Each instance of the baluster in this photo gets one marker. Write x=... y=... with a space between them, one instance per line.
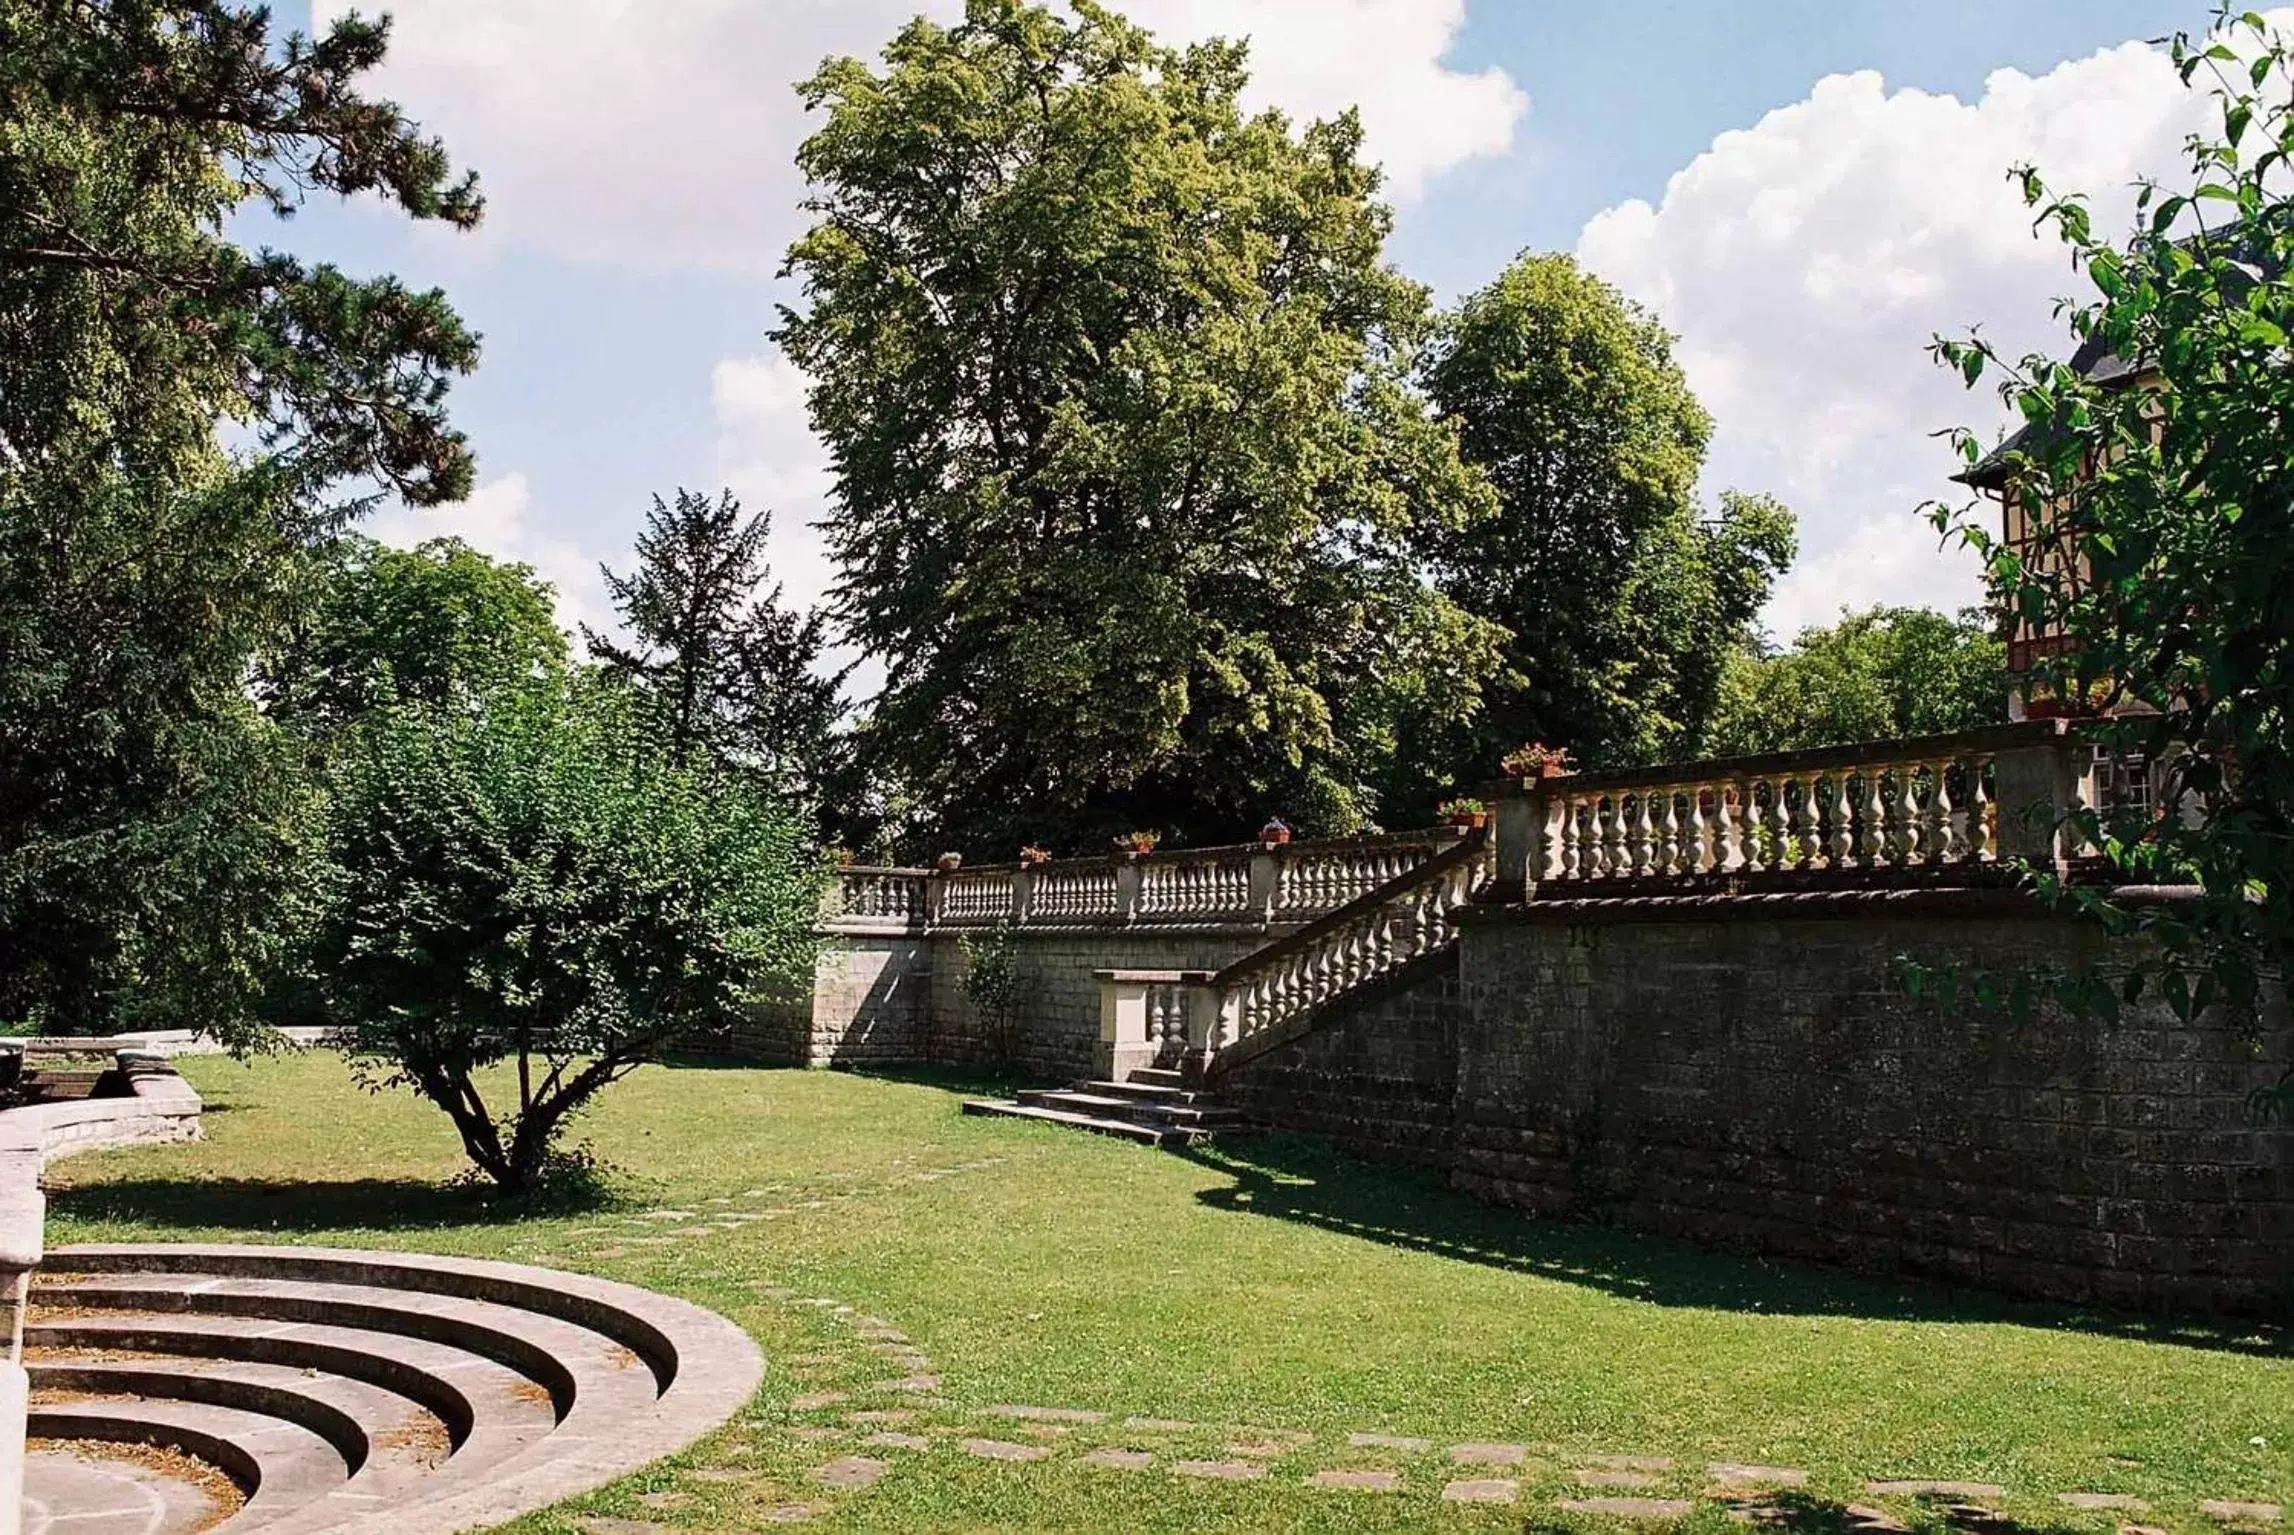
x=1747 y=816
x=1903 y=820
x=1696 y=852
x=1777 y=826
x=1668 y=835
x=1809 y=848
x=1637 y=831
x=1871 y=831
x=1613 y=863
x=1565 y=834
x=1938 y=834
x=1727 y=847
x=1978 y=847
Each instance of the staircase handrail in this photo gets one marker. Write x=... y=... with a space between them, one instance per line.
x=1237 y=1036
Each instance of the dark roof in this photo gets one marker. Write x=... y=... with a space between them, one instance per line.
x=2092 y=361
x=2097 y=363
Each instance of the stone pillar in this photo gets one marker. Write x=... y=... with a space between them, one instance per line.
x=1266 y=882
x=1521 y=815
x=23 y=1213
x=2037 y=788
x=1127 y=887
x=1123 y=1043
x=1023 y=894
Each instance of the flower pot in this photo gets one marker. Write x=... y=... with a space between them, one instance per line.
x=1469 y=820
x=1273 y=834
x=949 y=863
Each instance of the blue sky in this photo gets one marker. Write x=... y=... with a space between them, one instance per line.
x=637 y=165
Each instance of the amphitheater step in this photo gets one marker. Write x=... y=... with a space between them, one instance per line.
x=280 y=1466
x=378 y=1393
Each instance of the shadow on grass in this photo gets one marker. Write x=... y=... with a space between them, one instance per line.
x=1295 y=1178
x=971 y=1081
x=306 y=1206
x=1799 y=1513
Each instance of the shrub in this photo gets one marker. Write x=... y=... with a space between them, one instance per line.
x=522 y=878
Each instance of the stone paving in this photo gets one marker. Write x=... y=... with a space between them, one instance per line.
x=1620 y=1486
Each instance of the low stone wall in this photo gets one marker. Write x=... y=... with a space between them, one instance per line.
x=900 y=997
x=1741 y=1073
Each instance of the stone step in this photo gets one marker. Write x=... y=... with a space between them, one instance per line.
x=449 y=1394
x=1157 y=1076
x=1144 y=1092
x=1149 y=1112
x=472 y=1396
x=1124 y=1129
x=584 y=1373
x=280 y=1466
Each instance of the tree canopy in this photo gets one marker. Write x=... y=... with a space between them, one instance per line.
x=434 y=623
x=146 y=811
x=2161 y=502
x=1876 y=675
x=1127 y=462
x=728 y=675
x=1621 y=599
x=524 y=877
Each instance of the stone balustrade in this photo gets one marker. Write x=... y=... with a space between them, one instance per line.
x=1874 y=813
x=1255 y=886
x=1196 y=1020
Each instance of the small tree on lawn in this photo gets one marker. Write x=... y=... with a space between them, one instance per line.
x=2167 y=489
x=525 y=880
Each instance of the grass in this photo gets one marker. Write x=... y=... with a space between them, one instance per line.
x=1272 y=1284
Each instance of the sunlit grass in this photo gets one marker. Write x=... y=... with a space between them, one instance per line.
x=1273 y=1285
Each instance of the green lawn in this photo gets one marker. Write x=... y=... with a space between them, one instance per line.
x=1273 y=1285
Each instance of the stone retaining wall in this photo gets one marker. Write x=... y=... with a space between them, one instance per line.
x=899 y=997
x=1742 y=1074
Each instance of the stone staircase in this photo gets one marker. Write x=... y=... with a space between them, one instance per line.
x=356 y=1391
x=1152 y=1106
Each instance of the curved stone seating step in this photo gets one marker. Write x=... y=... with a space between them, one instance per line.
x=280 y=1466
x=446 y=1394
x=582 y=1371
x=112 y=1497
x=475 y=1397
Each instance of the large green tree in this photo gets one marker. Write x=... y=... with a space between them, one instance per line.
x=1621 y=597
x=2162 y=506
x=146 y=811
x=433 y=623
x=1115 y=385
x=1875 y=675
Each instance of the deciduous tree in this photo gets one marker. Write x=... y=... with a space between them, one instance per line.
x=525 y=878
x=146 y=811
x=1115 y=384
x=1621 y=599
x=1873 y=676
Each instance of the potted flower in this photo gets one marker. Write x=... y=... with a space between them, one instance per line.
x=1275 y=833
x=949 y=863
x=1535 y=759
x=1031 y=855
x=1464 y=813
x=1134 y=843
x=844 y=857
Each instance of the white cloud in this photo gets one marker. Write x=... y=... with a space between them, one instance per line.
x=1806 y=262
x=662 y=133
x=497 y=520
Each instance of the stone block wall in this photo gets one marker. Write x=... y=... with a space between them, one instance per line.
x=1754 y=1080
x=1054 y=1030
x=899 y=997
x=1745 y=1076
x=1378 y=1077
